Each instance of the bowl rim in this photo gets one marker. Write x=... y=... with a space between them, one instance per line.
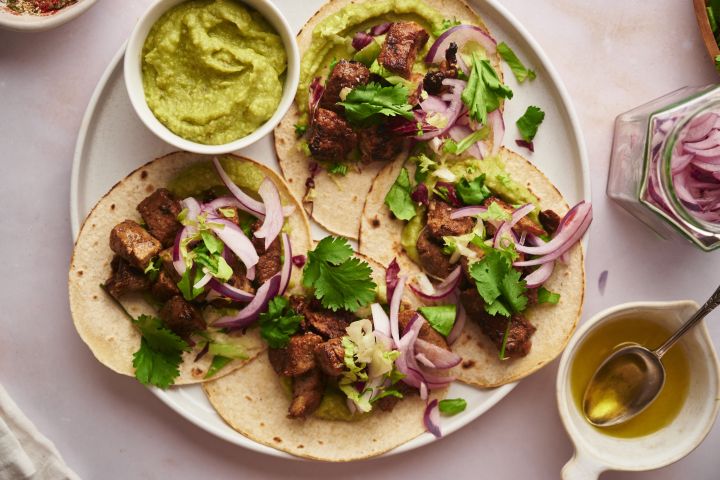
x=705 y=31
x=580 y=443
x=36 y=23
x=132 y=73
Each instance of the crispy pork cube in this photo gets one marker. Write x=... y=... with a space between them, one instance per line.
x=182 y=317
x=160 y=211
x=402 y=43
x=125 y=279
x=345 y=74
x=134 y=244
x=331 y=137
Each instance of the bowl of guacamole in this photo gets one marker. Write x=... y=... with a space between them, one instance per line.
x=211 y=76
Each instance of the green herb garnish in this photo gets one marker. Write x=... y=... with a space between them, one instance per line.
x=484 y=90
x=546 y=296
x=440 y=317
x=530 y=121
x=366 y=102
x=519 y=70
x=452 y=406
x=399 y=199
x=279 y=323
x=498 y=283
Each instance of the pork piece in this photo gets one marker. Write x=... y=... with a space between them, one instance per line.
x=524 y=225
x=432 y=258
x=402 y=43
x=321 y=320
x=308 y=390
x=160 y=211
x=164 y=287
x=345 y=74
x=386 y=404
x=441 y=225
x=330 y=357
x=298 y=357
x=331 y=137
x=133 y=243
x=270 y=261
x=432 y=83
x=125 y=279
x=494 y=326
x=378 y=144
x=239 y=277
x=181 y=317
x=426 y=333
x=549 y=220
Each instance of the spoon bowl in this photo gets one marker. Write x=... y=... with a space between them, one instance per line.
x=624 y=385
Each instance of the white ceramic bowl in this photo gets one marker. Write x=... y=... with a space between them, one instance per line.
x=133 y=77
x=596 y=452
x=25 y=22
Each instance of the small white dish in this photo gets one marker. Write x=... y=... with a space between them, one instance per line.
x=29 y=23
x=133 y=77
x=596 y=452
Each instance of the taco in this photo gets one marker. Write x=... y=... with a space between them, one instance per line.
x=493 y=240
x=342 y=379
x=174 y=261
x=361 y=99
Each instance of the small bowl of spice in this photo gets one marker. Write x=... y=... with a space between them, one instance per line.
x=34 y=15
x=211 y=76
x=707 y=13
x=678 y=419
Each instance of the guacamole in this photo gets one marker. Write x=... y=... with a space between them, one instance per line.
x=332 y=37
x=213 y=70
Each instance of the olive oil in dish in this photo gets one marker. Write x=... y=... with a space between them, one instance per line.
x=614 y=335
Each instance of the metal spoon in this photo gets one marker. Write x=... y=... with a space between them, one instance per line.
x=628 y=381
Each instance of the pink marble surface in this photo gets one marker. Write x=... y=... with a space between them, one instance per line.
x=612 y=55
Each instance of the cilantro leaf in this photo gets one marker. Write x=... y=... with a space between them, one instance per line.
x=484 y=90
x=513 y=291
x=519 y=70
x=498 y=283
x=340 y=280
x=546 y=296
x=338 y=169
x=398 y=198
x=279 y=323
x=157 y=360
x=440 y=317
x=452 y=406
x=530 y=121
x=472 y=192
x=366 y=102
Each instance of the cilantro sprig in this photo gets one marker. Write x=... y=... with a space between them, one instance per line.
x=279 y=323
x=484 y=89
x=499 y=284
x=366 y=102
x=399 y=199
x=530 y=121
x=520 y=71
x=340 y=281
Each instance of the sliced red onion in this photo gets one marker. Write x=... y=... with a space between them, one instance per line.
x=380 y=29
x=247 y=203
x=438 y=356
x=431 y=418
x=496 y=122
x=361 y=40
x=433 y=104
x=707 y=143
x=700 y=127
x=507 y=226
x=538 y=277
x=230 y=292
x=316 y=92
x=193 y=208
x=564 y=239
x=234 y=238
x=299 y=260
x=274 y=219
x=460 y=319
x=252 y=310
x=460 y=34
x=423 y=390
x=453 y=109
x=286 y=269
x=395 y=309
x=467 y=212
x=250 y=275
x=444 y=289
x=524 y=143
x=420 y=357
x=203 y=281
x=391 y=277
x=381 y=322
x=178 y=261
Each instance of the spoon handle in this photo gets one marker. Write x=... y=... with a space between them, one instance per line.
x=708 y=307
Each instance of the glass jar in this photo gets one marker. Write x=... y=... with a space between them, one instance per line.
x=646 y=160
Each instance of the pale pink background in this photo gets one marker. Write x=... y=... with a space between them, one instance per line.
x=612 y=56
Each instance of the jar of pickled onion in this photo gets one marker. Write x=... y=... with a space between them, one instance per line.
x=665 y=164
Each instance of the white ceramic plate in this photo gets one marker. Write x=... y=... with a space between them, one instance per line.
x=25 y=22
x=113 y=141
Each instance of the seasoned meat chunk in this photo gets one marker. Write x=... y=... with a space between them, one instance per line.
x=134 y=244
x=549 y=220
x=330 y=357
x=300 y=354
x=181 y=317
x=402 y=43
x=441 y=225
x=327 y=323
x=345 y=74
x=426 y=333
x=524 y=225
x=125 y=279
x=432 y=258
x=494 y=326
x=331 y=137
x=160 y=211
x=164 y=287
x=386 y=404
x=308 y=390
x=270 y=261
x=166 y=257
x=378 y=144
x=278 y=359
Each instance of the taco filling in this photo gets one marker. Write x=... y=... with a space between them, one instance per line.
x=209 y=263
